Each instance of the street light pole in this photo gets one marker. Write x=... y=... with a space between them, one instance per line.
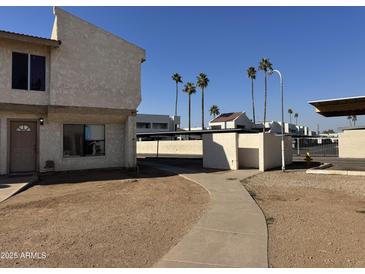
x=282 y=118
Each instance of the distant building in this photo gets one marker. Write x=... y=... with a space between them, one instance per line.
x=148 y=123
x=273 y=126
x=294 y=130
x=231 y=120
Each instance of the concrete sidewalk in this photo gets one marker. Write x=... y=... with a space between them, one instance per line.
x=233 y=231
x=12 y=185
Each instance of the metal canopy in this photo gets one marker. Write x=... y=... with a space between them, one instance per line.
x=340 y=107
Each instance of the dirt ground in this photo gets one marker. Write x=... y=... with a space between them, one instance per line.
x=312 y=219
x=98 y=219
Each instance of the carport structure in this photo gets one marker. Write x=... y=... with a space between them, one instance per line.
x=340 y=106
x=351 y=142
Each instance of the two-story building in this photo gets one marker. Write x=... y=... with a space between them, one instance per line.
x=68 y=102
x=148 y=123
x=231 y=120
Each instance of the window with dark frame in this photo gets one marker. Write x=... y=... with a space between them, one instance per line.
x=37 y=72
x=20 y=71
x=159 y=125
x=83 y=140
x=28 y=72
x=143 y=125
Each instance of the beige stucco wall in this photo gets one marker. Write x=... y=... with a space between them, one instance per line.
x=270 y=156
x=351 y=144
x=17 y=96
x=51 y=148
x=233 y=151
x=92 y=67
x=51 y=143
x=248 y=150
x=187 y=148
x=220 y=151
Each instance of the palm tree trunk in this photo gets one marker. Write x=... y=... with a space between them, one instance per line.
x=189 y=113
x=253 y=103
x=202 y=108
x=290 y=117
x=265 y=101
x=177 y=94
x=296 y=121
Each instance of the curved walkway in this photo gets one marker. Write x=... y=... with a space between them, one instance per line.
x=232 y=233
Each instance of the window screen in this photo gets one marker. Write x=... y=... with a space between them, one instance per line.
x=20 y=71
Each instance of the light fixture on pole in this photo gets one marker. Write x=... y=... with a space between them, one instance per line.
x=282 y=118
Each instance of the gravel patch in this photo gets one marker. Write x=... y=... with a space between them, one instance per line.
x=313 y=220
x=352 y=185
x=83 y=220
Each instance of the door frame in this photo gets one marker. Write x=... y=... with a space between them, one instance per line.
x=9 y=141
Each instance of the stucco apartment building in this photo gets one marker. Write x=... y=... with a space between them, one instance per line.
x=231 y=120
x=148 y=123
x=68 y=102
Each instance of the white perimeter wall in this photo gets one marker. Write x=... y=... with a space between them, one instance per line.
x=351 y=144
x=188 y=148
x=220 y=151
x=248 y=150
x=271 y=155
x=253 y=150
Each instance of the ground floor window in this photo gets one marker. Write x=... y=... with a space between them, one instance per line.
x=83 y=140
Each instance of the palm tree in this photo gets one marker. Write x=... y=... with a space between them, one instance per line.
x=202 y=82
x=251 y=73
x=214 y=111
x=354 y=119
x=290 y=111
x=177 y=78
x=189 y=88
x=350 y=120
x=296 y=118
x=266 y=67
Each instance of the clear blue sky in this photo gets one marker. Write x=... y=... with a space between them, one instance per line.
x=320 y=50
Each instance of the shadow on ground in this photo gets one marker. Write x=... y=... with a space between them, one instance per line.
x=300 y=165
x=82 y=176
x=190 y=165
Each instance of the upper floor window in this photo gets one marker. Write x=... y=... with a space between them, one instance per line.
x=28 y=72
x=159 y=125
x=143 y=125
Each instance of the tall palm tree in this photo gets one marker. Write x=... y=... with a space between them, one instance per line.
x=354 y=119
x=290 y=111
x=214 y=111
x=189 y=88
x=251 y=73
x=202 y=82
x=296 y=118
x=350 y=120
x=177 y=78
x=266 y=67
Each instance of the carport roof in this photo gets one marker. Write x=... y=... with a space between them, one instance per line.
x=340 y=106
